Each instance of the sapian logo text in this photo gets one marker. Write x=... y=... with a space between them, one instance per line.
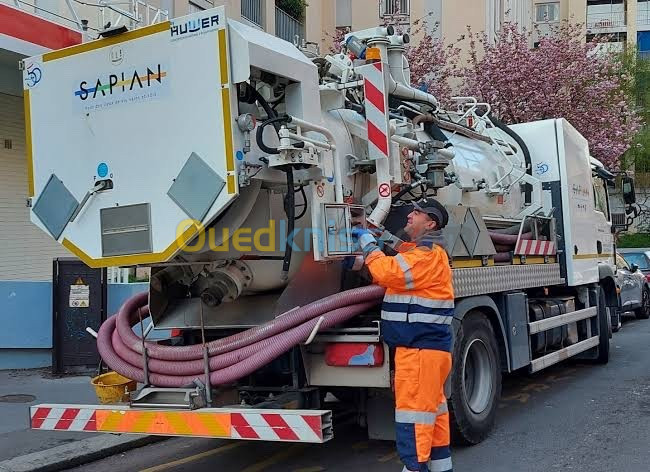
x=194 y=26
x=121 y=82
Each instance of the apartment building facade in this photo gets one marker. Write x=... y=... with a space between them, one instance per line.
x=623 y=21
x=443 y=18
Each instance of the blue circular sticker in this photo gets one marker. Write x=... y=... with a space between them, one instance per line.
x=102 y=170
x=240 y=156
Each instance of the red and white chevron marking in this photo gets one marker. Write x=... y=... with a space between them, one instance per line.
x=374 y=87
x=535 y=247
x=276 y=427
x=63 y=419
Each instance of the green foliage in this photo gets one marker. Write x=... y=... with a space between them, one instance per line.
x=295 y=8
x=133 y=279
x=637 y=68
x=632 y=240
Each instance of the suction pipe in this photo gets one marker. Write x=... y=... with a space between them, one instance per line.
x=230 y=358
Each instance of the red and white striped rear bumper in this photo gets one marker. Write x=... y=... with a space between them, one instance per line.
x=308 y=426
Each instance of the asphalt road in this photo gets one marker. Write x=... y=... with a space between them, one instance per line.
x=574 y=416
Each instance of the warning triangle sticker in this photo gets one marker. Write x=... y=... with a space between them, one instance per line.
x=79 y=281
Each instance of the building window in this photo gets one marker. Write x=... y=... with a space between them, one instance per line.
x=547 y=12
x=394 y=8
x=343 y=13
x=591 y=3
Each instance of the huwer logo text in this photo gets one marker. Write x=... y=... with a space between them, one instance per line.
x=194 y=26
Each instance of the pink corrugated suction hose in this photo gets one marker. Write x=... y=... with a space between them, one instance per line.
x=231 y=358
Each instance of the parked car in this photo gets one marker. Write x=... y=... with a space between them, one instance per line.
x=634 y=288
x=640 y=257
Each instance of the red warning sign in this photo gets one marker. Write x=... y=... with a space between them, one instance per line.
x=384 y=190
x=320 y=190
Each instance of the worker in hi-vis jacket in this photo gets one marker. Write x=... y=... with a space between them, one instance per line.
x=416 y=316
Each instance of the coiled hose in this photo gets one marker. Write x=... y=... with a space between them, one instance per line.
x=231 y=358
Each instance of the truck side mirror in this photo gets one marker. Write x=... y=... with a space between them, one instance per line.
x=629 y=195
x=634 y=268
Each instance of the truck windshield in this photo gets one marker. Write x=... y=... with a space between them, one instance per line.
x=637 y=258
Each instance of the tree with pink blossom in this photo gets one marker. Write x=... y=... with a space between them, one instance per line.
x=335 y=40
x=562 y=77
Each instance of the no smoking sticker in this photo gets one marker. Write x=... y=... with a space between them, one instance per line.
x=384 y=190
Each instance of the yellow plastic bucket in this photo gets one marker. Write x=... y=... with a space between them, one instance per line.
x=113 y=387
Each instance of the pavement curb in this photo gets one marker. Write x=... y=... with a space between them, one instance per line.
x=76 y=453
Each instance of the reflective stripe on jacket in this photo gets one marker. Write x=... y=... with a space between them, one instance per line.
x=418 y=305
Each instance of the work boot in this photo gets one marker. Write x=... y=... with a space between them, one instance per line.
x=440 y=465
x=423 y=468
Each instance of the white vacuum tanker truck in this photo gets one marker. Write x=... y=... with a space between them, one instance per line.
x=235 y=164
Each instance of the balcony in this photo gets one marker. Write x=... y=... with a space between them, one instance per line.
x=395 y=11
x=390 y=8
x=643 y=16
x=287 y=27
x=252 y=11
x=607 y=21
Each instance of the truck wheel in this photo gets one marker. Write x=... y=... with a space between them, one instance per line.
x=475 y=380
x=643 y=312
x=604 y=325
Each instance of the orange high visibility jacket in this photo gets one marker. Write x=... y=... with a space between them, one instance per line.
x=418 y=306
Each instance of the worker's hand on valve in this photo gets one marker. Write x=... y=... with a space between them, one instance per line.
x=363 y=236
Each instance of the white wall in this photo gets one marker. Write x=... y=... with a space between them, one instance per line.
x=26 y=252
x=433 y=9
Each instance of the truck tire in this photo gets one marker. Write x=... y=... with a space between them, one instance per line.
x=604 y=325
x=643 y=312
x=475 y=380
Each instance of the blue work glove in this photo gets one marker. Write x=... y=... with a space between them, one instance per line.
x=364 y=236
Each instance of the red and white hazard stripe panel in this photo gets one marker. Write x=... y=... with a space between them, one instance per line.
x=374 y=87
x=535 y=247
x=276 y=427
x=309 y=426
